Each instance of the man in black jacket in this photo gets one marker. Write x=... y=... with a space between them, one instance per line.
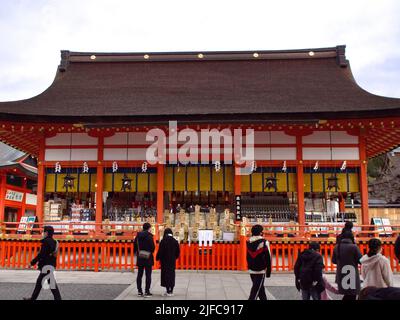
x=259 y=262
x=47 y=261
x=397 y=248
x=144 y=248
x=308 y=273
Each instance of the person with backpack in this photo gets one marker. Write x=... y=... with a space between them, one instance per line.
x=144 y=248
x=259 y=262
x=47 y=261
x=308 y=273
x=347 y=255
x=167 y=254
x=375 y=268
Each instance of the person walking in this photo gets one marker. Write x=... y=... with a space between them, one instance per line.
x=168 y=253
x=144 y=248
x=308 y=273
x=346 y=255
x=259 y=262
x=375 y=268
x=47 y=262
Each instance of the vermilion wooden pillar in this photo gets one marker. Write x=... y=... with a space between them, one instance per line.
x=363 y=181
x=160 y=193
x=100 y=184
x=41 y=180
x=2 y=196
x=300 y=181
x=23 y=205
x=342 y=204
x=237 y=187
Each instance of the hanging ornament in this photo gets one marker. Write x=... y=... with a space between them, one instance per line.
x=316 y=166
x=57 y=168
x=270 y=183
x=284 y=168
x=144 y=167
x=114 y=167
x=253 y=166
x=217 y=166
x=85 y=167
x=344 y=165
x=178 y=169
x=68 y=182
x=333 y=182
x=126 y=183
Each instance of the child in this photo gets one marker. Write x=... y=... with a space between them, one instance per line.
x=308 y=273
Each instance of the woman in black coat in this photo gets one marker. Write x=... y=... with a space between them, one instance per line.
x=167 y=254
x=346 y=256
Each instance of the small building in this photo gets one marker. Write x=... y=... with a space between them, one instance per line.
x=18 y=175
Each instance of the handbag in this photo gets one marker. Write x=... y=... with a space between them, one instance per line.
x=143 y=254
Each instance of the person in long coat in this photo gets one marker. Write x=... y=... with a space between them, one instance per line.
x=346 y=256
x=167 y=254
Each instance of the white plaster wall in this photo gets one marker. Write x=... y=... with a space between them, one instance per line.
x=64 y=139
x=278 y=137
x=316 y=153
x=283 y=153
x=345 y=154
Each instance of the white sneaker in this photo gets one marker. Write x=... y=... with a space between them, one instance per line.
x=165 y=294
x=170 y=294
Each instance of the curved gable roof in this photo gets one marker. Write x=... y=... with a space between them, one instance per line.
x=289 y=84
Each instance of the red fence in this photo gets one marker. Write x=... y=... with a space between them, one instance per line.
x=118 y=255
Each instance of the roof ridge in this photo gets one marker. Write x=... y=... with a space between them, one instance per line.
x=337 y=52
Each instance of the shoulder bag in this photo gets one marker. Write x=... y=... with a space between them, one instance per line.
x=143 y=254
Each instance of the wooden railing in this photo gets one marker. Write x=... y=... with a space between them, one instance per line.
x=111 y=248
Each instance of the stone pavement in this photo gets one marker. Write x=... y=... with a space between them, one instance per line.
x=190 y=285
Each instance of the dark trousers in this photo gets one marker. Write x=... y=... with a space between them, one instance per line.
x=38 y=287
x=170 y=289
x=257 y=290
x=141 y=269
x=310 y=293
x=349 y=297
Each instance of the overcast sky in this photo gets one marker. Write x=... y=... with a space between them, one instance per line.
x=32 y=33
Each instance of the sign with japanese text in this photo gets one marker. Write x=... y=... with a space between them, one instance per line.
x=14 y=195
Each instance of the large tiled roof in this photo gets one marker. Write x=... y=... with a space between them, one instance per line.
x=259 y=85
